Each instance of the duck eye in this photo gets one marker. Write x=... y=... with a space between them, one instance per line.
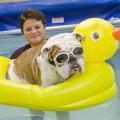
x=95 y=36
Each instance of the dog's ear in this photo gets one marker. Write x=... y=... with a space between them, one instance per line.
x=45 y=52
x=79 y=36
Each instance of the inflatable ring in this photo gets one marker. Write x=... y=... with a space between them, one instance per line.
x=94 y=86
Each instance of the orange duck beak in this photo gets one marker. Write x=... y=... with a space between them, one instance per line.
x=116 y=33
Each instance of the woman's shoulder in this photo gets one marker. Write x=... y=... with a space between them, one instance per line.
x=19 y=51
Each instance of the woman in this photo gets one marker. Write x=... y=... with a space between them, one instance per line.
x=33 y=27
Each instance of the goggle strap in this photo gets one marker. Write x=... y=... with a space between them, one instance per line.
x=51 y=62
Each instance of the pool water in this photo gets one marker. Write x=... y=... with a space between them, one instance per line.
x=109 y=110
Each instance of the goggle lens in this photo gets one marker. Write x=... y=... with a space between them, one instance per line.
x=77 y=51
x=62 y=58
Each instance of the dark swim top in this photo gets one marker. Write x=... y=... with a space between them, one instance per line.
x=20 y=51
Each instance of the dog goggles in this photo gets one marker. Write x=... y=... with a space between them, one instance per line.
x=64 y=57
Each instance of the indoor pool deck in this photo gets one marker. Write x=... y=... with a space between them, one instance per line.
x=110 y=110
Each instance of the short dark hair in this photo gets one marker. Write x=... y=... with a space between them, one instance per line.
x=31 y=14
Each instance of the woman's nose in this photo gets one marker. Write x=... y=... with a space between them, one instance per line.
x=34 y=30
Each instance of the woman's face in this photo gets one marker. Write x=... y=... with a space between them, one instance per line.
x=34 y=31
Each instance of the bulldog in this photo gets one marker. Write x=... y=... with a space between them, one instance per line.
x=58 y=59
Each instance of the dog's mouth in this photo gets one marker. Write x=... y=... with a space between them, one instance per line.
x=75 y=68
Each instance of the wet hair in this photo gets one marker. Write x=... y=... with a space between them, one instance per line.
x=31 y=14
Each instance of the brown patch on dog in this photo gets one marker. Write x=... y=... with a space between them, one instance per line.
x=35 y=69
x=52 y=53
x=26 y=68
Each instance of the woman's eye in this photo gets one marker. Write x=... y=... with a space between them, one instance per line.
x=37 y=27
x=78 y=51
x=62 y=58
x=28 y=29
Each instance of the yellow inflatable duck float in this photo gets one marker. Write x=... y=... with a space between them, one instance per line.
x=94 y=86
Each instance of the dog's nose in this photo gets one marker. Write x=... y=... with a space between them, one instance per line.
x=71 y=58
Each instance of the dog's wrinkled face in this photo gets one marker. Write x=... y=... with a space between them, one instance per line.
x=65 y=53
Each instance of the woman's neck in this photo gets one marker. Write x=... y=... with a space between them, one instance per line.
x=42 y=43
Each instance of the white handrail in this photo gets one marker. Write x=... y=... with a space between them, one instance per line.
x=53 y=28
x=115 y=22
